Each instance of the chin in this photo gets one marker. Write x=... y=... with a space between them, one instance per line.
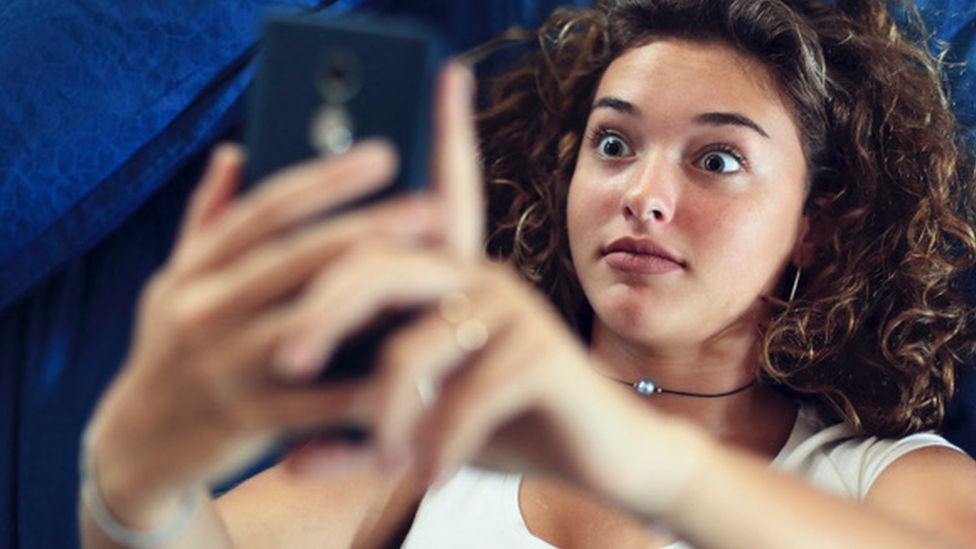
x=664 y=324
x=635 y=306
x=635 y=322
x=645 y=336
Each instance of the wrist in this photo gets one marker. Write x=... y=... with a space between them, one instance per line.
x=647 y=462
x=131 y=472
x=677 y=451
x=135 y=522
x=124 y=483
x=692 y=452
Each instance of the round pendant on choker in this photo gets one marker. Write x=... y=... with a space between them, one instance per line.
x=646 y=387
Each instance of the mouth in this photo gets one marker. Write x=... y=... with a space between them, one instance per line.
x=639 y=256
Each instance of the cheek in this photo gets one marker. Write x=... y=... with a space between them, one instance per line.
x=589 y=205
x=746 y=245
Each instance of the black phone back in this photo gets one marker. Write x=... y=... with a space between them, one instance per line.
x=324 y=83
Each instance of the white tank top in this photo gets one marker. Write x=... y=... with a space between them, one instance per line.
x=479 y=509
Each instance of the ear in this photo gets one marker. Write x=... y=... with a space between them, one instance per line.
x=815 y=231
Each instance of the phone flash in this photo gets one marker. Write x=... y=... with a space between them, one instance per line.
x=331 y=131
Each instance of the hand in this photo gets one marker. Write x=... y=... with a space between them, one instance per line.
x=196 y=399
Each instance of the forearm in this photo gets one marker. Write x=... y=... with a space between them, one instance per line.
x=735 y=499
x=713 y=495
x=123 y=486
x=118 y=497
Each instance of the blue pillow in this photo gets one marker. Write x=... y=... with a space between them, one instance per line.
x=101 y=103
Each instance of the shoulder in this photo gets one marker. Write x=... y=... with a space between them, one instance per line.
x=921 y=478
x=840 y=461
x=278 y=509
x=932 y=485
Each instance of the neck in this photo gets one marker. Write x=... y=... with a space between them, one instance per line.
x=759 y=419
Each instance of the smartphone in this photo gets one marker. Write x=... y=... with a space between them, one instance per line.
x=322 y=84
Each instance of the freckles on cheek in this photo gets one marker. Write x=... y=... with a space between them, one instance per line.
x=718 y=236
x=588 y=182
x=749 y=249
x=602 y=206
x=710 y=228
x=590 y=205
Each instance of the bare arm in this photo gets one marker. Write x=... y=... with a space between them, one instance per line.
x=364 y=509
x=934 y=488
x=122 y=492
x=207 y=530
x=733 y=499
x=203 y=391
x=276 y=508
x=197 y=399
x=738 y=502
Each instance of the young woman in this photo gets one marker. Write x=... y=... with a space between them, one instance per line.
x=745 y=215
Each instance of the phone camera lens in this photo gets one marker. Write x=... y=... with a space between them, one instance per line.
x=337 y=74
x=339 y=77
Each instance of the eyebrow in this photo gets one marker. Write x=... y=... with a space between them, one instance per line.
x=730 y=118
x=618 y=105
x=708 y=118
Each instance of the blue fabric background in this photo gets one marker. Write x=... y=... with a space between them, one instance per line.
x=106 y=111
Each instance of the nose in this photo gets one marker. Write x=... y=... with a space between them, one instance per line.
x=652 y=194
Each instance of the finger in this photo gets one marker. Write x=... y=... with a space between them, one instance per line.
x=286 y=200
x=330 y=459
x=236 y=373
x=476 y=402
x=426 y=352
x=457 y=167
x=234 y=362
x=302 y=409
x=215 y=189
x=283 y=266
x=349 y=300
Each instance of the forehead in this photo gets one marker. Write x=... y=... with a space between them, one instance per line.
x=702 y=75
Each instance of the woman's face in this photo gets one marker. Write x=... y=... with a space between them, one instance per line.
x=687 y=199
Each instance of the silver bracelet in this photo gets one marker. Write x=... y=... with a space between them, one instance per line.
x=119 y=533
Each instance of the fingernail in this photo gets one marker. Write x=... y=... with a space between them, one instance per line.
x=372 y=145
x=228 y=152
x=466 y=78
x=376 y=147
x=218 y=158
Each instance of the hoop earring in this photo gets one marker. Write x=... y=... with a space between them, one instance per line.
x=796 y=282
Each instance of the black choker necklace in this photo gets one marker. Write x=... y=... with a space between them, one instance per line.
x=646 y=387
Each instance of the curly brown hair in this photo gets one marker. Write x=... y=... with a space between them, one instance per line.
x=879 y=326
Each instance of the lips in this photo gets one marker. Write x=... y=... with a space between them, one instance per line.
x=639 y=256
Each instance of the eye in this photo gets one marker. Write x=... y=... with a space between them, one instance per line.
x=721 y=162
x=611 y=145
